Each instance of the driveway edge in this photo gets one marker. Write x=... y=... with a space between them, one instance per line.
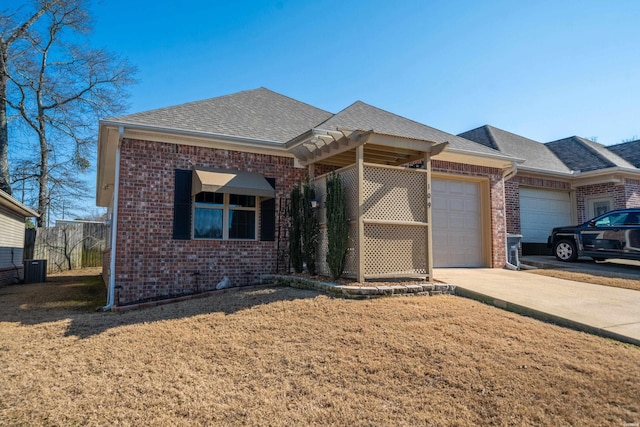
x=545 y=317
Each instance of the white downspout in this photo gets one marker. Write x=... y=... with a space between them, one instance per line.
x=114 y=229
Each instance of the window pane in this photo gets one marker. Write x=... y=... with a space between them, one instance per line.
x=242 y=224
x=600 y=208
x=611 y=220
x=236 y=200
x=207 y=224
x=210 y=198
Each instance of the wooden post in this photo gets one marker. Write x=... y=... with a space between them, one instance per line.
x=360 y=171
x=427 y=167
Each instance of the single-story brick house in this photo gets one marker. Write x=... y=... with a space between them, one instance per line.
x=561 y=182
x=195 y=192
x=12 y=218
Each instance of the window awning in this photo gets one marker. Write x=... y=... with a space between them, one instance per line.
x=231 y=182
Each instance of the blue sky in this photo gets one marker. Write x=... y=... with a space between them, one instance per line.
x=542 y=69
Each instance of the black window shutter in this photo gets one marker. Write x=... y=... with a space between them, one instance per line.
x=268 y=216
x=182 y=205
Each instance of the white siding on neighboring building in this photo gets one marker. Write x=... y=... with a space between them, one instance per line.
x=11 y=238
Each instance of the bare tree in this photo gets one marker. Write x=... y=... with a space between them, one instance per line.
x=59 y=88
x=11 y=32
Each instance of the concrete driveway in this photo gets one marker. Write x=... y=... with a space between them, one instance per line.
x=602 y=310
x=624 y=268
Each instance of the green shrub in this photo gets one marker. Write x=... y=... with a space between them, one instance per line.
x=337 y=225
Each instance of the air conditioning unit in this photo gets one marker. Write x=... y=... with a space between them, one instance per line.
x=35 y=270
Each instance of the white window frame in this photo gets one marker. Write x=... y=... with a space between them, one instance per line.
x=591 y=201
x=226 y=209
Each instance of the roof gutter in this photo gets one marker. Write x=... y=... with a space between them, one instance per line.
x=197 y=134
x=11 y=203
x=114 y=229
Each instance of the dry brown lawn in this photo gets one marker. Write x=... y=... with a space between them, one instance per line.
x=600 y=279
x=282 y=356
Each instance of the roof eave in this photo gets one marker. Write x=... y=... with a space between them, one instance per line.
x=192 y=133
x=500 y=161
x=13 y=205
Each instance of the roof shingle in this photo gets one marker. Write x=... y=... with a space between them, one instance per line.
x=535 y=154
x=630 y=151
x=583 y=155
x=362 y=116
x=258 y=114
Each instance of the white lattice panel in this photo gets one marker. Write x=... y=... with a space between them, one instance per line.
x=394 y=194
x=351 y=262
x=350 y=182
x=393 y=249
x=320 y=187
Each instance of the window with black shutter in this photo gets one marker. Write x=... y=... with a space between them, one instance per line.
x=182 y=205
x=268 y=216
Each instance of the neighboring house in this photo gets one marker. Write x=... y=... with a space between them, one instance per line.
x=630 y=151
x=560 y=182
x=196 y=192
x=12 y=219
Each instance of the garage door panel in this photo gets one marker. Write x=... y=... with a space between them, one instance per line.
x=457 y=228
x=540 y=211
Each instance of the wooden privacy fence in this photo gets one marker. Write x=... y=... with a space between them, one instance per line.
x=68 y=246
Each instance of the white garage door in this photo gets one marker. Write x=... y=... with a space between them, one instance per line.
x=540 y=211
x=457 y=227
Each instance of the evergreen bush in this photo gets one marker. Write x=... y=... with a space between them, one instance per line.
x=337 y=225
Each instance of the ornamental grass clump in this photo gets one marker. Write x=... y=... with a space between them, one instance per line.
x=337 y=225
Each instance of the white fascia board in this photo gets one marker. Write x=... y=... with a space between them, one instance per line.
x=476 y=158
x=195 y=134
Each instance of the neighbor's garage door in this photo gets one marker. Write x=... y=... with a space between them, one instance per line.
x=540 y=211
x=457 y=227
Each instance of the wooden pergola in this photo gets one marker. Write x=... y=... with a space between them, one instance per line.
x=389 y=204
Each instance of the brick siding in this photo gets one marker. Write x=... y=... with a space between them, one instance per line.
x=632 y=193
x=617 y=192
x=152 y=265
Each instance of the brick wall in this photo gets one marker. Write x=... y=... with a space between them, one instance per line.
x=153 y=265
x=512 y=206
x=497 y=195
x=632 y=193
x=617 y=192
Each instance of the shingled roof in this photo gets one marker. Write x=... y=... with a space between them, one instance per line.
x=258 y=114
x=584 y=155
x=630 y=151
x=536 y=154
x=362 y=116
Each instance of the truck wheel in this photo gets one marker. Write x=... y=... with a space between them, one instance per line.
x=565 y=250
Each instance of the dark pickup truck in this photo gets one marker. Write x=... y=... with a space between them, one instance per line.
x=615 y=234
